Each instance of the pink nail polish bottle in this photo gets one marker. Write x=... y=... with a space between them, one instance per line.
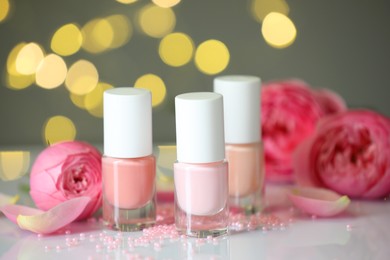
x=244 y=149
x=201 y=172
x=128 y=166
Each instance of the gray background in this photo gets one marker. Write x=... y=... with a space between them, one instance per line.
x=341 y=45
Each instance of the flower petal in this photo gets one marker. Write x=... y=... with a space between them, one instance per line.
x=303 y=173
x=50 y=221
x=318 y=201
x=13 y=211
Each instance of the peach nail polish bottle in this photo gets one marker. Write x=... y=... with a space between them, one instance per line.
x=201 y=172
x=128 y=166
x=244 y=149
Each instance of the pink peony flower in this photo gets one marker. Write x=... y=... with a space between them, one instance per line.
x=64 y=171
x=348 y=153
x=329 y=101
x=289 y=113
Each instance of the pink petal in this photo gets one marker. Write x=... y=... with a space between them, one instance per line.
x=318 y=201
x=50 y=221
x=303 y=171
x=330 y=101
x=13 y=211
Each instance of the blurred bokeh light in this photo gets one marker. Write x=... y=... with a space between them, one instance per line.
x=122 y=30
x=67 y=40
x=166 y=3
x=13 y=164
x=82 y=77
x=126 y=1
x=28 y=58
x=155 y=84
x=260 y=8
x=278 y=30
x=212 y=57
x=51 y=73
x=4 y=9
x=156 y=21
x=176 y=49
x=97 y=35
x=14 y=79
x=93 y=101
x=58 y=128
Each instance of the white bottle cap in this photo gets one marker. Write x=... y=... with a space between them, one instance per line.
x=127 y=123
x=199 y=127
x=241 y=98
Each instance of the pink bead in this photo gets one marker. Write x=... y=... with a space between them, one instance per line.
x=349 y=227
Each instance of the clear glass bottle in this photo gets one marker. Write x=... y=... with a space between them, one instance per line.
x=128 y=166
x=201 y=172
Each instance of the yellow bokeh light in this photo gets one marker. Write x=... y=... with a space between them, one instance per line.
x=15 y=80
x=19 y=82
x=278 y=30
x=93 y=101
x=97 y=35
x=126 y=1
x=82 y=77
x=212 y=56
x=4 y=9
x=155 y=84
x=11 y=60
x=156 y=21
x=13 y=164
x=51 y=73
x=176 y=49
x=166 y=3
x=260 y=8
x=57 y=129
x=28 y=59
x=67 y=40
x=78 y=100
x=122 y=30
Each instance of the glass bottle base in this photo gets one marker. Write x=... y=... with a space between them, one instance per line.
x=202 y=226
x=115 y=218
x=247 y=205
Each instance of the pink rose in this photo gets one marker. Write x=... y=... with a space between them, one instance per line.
x=290 y=110
x=64 y=171
x=348 y=153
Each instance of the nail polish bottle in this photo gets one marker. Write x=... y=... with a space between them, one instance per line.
x=244 y=149
x=201 y=172
x=128 y=166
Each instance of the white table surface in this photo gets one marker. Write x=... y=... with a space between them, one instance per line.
x=361 y=232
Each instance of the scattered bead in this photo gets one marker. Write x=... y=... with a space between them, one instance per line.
x=349 y=227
